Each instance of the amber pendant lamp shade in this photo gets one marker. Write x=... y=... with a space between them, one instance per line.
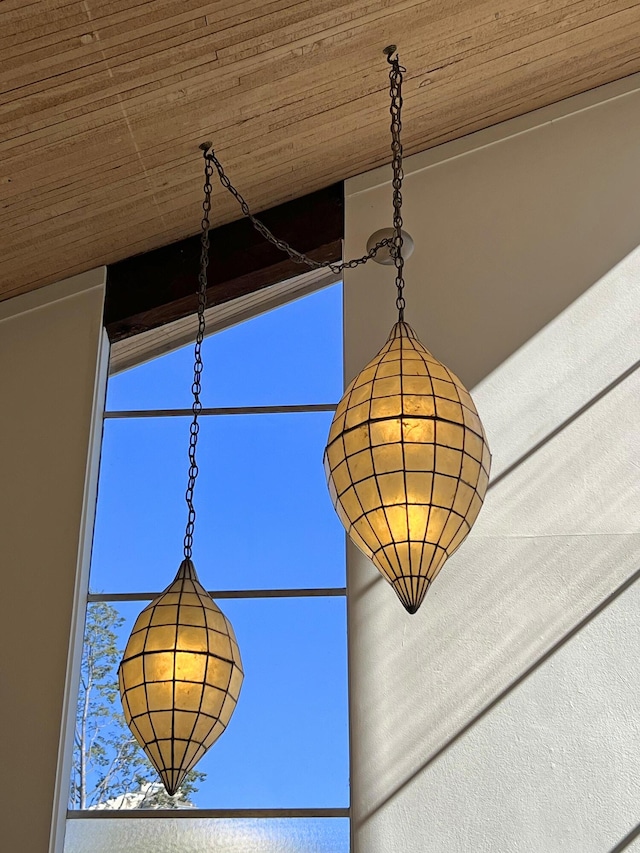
x=180 y=677
x=407 y=464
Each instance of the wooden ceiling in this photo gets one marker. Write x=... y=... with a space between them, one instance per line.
x=105 y=102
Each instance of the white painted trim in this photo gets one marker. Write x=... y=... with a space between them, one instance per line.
x=497 y=133
x=74 y=657
x=60 y=290
x=131 y=352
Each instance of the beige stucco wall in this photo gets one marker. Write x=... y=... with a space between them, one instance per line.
x=52 y=383
x=526 y=282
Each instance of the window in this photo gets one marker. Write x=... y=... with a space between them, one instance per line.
x=270 y=547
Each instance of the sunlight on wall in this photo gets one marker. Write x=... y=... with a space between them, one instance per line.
x=526 y=282
x=554 y=538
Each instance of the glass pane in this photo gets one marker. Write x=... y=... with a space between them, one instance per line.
x=287 y=743
x=264 y=520
x=291 y=355
x=208 y=835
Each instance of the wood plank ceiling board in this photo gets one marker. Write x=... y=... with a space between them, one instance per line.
x=104 y=104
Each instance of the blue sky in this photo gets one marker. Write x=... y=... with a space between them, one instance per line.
x=264 y=520
x=291 y=355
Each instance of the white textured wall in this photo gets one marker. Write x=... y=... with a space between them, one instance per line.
x=52 y=382
x=526 y=282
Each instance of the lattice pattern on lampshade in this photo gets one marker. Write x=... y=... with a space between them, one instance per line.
x=180 y=676
x=407 y=464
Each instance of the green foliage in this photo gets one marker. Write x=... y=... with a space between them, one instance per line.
x=109 y=768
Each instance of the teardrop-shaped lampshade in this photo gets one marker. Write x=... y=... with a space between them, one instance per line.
x=180 y=676
x=407 y=464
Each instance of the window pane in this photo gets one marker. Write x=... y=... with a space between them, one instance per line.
x=287 y=743
x=291 y=355
x=264 y=514
x=208 y=835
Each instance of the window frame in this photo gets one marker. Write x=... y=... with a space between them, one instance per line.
x=283 y=297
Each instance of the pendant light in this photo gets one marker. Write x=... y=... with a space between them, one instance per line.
x=407 y=460
x=181 y=673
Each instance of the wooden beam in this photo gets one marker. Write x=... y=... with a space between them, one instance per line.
x=158 y=287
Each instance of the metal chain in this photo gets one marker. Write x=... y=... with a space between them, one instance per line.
x=298 y=257
x=395 y=86
x=394 y=243
x=196 y=387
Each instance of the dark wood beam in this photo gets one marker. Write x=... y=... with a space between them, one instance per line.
x=149 y=290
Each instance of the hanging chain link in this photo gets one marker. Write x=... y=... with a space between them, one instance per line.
x=395 y=87
x=298 y=257
x=196 y=387
x=394 y=243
